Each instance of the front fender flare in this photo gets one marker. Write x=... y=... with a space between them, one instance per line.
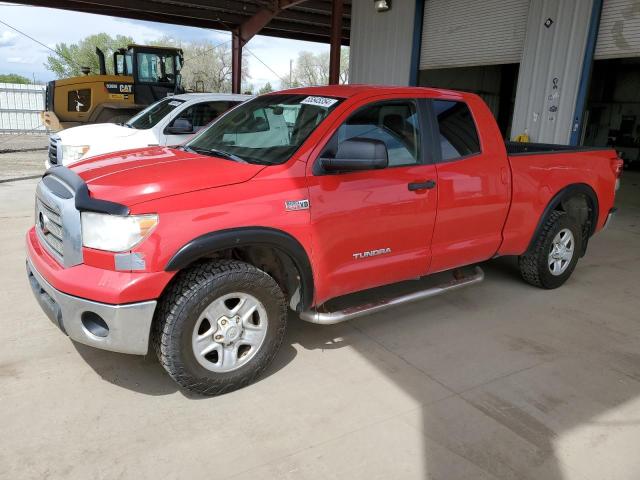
x=281 y=241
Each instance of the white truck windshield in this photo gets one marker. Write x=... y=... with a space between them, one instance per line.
x=150 y=116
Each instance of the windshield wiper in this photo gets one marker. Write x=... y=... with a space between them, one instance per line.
x=213 y=152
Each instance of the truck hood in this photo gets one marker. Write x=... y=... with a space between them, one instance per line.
x=145 y=174
x=89 y=134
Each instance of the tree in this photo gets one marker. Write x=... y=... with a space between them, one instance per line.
x=313 y=69
x=265 y=89
x=72 y=57
x=207 y=67
x=344 y=65
x=14 y=78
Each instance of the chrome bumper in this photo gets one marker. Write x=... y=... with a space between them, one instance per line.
x=119 y=328
x=610 y=217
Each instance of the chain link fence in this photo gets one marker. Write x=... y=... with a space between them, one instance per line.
x=20 y=107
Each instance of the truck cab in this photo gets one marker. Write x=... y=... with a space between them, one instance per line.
x=169 y=121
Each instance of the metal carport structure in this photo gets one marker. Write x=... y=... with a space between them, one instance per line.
x=326 y=21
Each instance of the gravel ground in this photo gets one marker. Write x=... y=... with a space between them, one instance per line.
x=22 y=156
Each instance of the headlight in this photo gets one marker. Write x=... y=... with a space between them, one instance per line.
x=72 y=153
x=115 y=233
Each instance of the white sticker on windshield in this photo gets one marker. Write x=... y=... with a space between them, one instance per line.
x=175 y=103
x=319 y=101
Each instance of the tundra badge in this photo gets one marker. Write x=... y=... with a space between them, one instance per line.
x=371 y=253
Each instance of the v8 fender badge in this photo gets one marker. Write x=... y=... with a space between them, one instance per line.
x=293 y=205
x=371 y=253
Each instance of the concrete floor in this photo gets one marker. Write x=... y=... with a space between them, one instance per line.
x=22 y=155
x=500 y=380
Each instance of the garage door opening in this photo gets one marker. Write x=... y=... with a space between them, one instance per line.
x=613 y=108
x=496 y=84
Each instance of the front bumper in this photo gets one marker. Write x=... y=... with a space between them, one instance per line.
x=120 y=328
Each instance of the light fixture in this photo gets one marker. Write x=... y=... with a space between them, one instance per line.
x=382 y=5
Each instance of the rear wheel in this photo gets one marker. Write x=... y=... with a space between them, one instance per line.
x=555 y=252
x=219 y=326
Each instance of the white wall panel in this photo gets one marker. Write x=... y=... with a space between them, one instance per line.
x=20 y=107
x=550 y=69
x=381 y=43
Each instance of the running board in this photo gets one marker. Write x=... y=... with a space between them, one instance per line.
x=329 y=318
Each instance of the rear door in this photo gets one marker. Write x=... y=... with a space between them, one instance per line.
x=474 y=184
x=372 y=227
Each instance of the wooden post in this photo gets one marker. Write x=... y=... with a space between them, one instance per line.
x=236 y=62
x=336 y=42
x=247 y=30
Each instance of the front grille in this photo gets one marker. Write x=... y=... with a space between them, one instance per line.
x=49 y=225
x=57 y=221
x=53 y=149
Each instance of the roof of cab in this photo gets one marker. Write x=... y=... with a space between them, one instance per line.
x=211 y=97
x=350 y=90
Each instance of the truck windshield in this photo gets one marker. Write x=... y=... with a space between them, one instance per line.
x=155 y=112
x=267 y=130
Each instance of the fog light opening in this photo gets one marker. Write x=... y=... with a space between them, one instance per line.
x=94 y=324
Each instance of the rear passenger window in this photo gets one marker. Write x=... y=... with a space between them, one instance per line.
x=458 y=134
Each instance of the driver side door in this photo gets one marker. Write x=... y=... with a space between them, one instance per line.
x=374 y=227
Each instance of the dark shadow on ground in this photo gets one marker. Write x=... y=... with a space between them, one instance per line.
x=144 y=374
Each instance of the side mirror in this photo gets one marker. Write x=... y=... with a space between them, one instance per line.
x=357 y=154
x=180 y=126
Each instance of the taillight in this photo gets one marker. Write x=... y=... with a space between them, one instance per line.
x=616 y=165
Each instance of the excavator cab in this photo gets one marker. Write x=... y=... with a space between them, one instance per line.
x=142 y=75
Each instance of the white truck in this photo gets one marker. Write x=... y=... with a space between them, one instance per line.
x=169 y=121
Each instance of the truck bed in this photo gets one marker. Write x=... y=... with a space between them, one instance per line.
x=520 y=148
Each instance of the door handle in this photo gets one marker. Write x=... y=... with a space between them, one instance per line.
x=428 y=185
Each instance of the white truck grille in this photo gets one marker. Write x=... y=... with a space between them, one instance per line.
x=53 y=150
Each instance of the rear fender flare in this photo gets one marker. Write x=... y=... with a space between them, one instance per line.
x=564 y=194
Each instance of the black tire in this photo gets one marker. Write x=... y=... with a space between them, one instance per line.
x=181 y=306
x=534 y=264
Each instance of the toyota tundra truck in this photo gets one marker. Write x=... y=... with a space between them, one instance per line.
x=198 y=251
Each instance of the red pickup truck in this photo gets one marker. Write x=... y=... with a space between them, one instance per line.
x=290 y=200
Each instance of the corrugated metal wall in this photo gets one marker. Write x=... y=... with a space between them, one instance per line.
x=550 y=69
x=20 y=107
x=381 y=43
x=460 y=33
x=619 y=33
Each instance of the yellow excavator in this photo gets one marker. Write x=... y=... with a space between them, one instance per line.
x=142 y=75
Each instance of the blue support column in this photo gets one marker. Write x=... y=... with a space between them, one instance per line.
x=585 y=75
x=417 y=43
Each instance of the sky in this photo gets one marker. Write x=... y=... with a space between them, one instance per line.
x=21 y=55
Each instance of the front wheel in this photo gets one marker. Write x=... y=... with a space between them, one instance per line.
x=219 y=326
x=554 y=254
